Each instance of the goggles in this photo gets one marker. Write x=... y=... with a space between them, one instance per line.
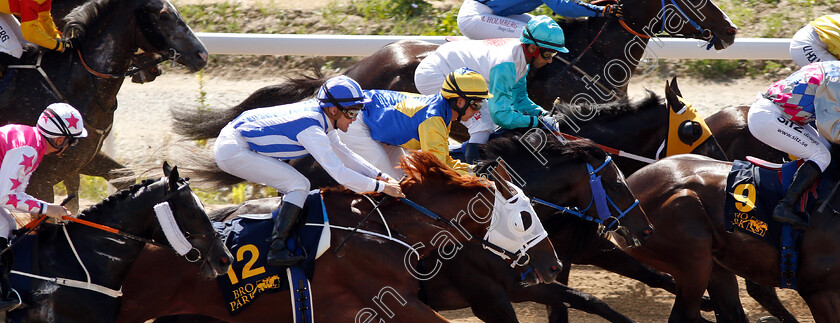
x=547 y=54
x=475 y=104
x=350 y=113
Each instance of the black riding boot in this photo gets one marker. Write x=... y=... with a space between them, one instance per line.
x=279 y=255
x=9 y=298
x=804 y=177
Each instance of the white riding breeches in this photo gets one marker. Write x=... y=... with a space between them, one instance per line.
x=768 y=124
x=11 y=38
x=429 y=77
x=385 y=157
x=235 y=157
x=478 y=21
x=7 y=224
x=806 y=47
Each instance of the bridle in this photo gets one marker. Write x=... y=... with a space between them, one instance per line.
x=702 y=34
x=600 y=198
x=172 y=54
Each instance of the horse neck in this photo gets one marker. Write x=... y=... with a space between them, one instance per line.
x=112 y=255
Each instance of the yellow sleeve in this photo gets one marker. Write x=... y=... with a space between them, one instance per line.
x=32 y=32
x=434 y=138
x=45 y=19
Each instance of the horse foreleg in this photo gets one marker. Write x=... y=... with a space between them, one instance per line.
x=767 y=297
x=555 y=295
x=106 y=167
x=605 y=254
x=723 y=289
x=824 y=305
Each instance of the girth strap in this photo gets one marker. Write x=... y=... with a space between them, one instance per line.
x=75 y=283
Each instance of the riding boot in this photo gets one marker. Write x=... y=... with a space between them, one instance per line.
x=280 y=255
x=804 y=177
x=9 y=298
x=472 y=152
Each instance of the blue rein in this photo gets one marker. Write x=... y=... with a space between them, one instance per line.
x=599 y=199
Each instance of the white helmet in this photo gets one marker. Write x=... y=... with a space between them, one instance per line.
x=62 y=120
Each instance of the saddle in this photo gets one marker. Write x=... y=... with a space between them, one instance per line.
x=753 y=188
x=247 y=237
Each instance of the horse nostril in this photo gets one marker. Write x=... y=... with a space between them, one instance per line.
x=731 y=31
x=225 y=261
x=555 y=268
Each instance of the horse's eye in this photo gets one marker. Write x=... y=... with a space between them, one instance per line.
x=165 y=17
x=526 y=220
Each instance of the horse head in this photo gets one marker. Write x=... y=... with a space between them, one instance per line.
x=692 y=131
x=700 y=19
x=574 y=178
x=166 y=33
x=478 y=210
x=191 y=227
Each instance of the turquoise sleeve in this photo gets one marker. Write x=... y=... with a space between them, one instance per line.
x=510 y=107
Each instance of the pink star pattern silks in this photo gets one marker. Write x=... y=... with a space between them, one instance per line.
x=33 y=204
x=15 y=183
x=72 y=120
x=13 y=201
x=27 y=161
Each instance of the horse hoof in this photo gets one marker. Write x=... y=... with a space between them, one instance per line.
x=768 y=319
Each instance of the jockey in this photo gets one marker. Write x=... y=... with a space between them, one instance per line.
x=504 y=63
x=486 y=19
x=21 y=149
x=36 y=26
x=818 y=41
x=255 y=146
x=397 y=120
x=783 y=118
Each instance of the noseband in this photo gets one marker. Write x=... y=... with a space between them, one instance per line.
x=599 y=199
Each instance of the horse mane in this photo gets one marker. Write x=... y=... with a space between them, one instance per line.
x=109 y=202
x=423 y=166
x=606 y=112
x=87 y=14
x=507 y=147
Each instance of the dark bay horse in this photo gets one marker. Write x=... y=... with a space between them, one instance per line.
x=352 y=280
x=488 y=285
x=730 y=128
x=106 y=257
x=684 y=197
x=608 y=54
x=110 y=33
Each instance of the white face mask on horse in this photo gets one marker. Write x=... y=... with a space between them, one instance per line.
x=509 y=227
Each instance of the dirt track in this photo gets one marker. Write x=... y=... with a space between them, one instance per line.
x=142 y=128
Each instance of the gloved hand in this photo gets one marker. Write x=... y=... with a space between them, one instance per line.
x=613 y=10
x=549 y=123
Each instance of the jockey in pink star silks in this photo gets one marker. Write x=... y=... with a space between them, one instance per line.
x=21 y=149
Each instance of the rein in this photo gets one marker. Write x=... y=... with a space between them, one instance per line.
x=37 y=67
x=131 y=71
x=599 y=199
x=609 y=150
x=705 y=34
x=517 y=257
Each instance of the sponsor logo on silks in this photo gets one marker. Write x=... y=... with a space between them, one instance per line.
x=745 y=197
x=686 y=130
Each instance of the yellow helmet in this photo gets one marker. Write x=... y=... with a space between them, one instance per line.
x=465 y=83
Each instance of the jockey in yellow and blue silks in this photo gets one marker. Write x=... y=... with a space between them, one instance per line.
x=394 y=121
x=504 y=63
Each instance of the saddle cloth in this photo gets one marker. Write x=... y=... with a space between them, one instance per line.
x=752 y=193
x=248 y=236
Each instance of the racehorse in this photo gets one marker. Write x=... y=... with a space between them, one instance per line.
x=109 y=32
x=684 y=197
x=351 y=280
x=559 y=175
x=639 y=127
x=598 y=45
x=89 y=253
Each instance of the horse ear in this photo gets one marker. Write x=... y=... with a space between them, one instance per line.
x=502 y=178
x=166 y=168
x=173 y=179
x=672 y=98
x=674 y=87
